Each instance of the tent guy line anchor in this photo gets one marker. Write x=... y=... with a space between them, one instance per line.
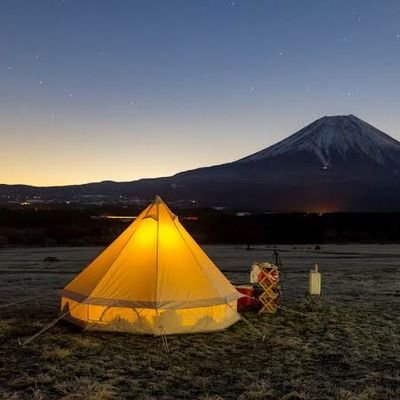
x=43 y=330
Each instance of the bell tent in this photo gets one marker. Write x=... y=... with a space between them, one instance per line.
x=153 y=279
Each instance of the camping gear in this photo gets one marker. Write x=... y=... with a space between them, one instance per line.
x=266 y=275
x=153 y=279
x=314 y=282
x=249 y=301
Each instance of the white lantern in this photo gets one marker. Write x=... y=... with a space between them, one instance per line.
x=314 y=282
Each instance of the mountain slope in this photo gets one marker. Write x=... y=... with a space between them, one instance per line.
x=330 y=138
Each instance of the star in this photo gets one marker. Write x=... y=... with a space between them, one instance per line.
x=37 y=58
x=40 y=83
x=132 y=103
x=280 y=53
x=349 y=94
x=10 y=68
x=344 y=39
x=398 y=36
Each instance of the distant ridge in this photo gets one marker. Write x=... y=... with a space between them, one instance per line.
x=337 y=163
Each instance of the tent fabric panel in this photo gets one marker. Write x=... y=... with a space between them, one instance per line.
x=179 y=276
x=150 y=321
x=214 y=276
x=132 y=277
x=88 y=279
x=201 y=319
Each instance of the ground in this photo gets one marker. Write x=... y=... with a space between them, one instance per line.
x=347 y=348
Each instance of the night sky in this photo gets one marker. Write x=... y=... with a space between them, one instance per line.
x=94 y=90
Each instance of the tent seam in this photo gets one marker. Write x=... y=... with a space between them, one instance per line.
x=157 y=250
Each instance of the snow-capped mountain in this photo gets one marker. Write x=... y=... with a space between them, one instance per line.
x=339 y=136
x=338 y=163
x=330 y=148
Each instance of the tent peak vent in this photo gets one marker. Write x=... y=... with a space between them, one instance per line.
x=158 y=199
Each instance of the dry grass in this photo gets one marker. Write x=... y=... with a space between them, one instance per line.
x=5 y=326
x=56 y=354
x=335 y=352
x=85 y=389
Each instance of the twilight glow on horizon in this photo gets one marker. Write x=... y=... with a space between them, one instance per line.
x=122 y=90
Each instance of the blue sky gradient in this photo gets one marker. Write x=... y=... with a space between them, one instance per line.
x=94 y=90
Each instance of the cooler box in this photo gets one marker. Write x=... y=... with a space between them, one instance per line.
x=246 y=303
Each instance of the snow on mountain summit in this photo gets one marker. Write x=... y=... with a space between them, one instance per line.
x=338 y=136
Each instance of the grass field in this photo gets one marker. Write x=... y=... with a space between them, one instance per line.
x=346 y=349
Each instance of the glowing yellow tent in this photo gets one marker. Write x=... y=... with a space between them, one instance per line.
x=153 y=279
